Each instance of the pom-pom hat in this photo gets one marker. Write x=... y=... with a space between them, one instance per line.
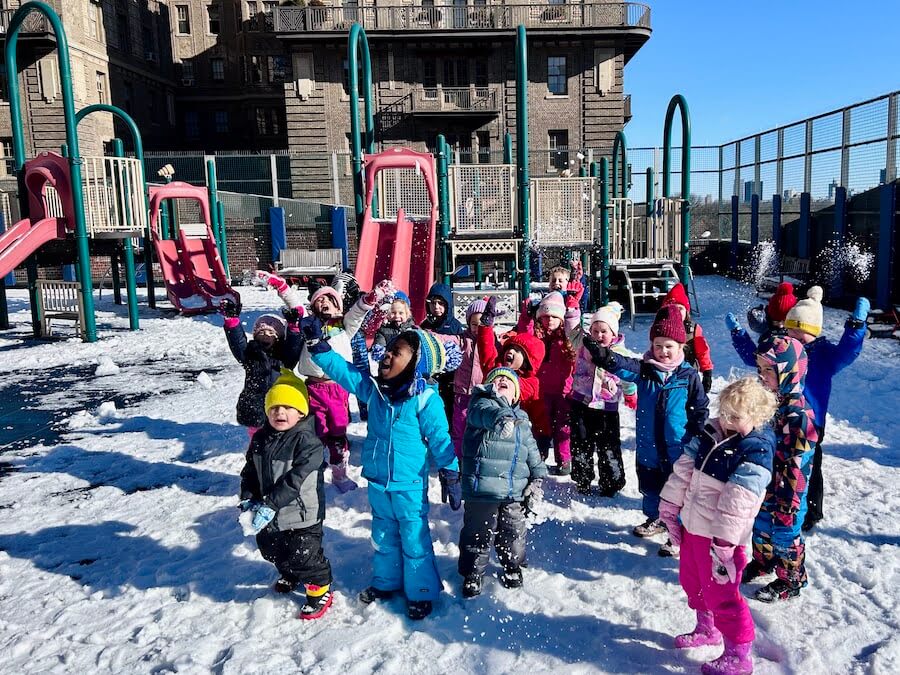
x=781 y=302
x=610 y=315
x=553 y=304
x=668 y=324
x=807 y=315
x=272 y=321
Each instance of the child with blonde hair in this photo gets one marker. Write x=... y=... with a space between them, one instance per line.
x=709 y=504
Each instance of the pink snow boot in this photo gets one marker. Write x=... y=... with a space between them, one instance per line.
x=339 y=477
x=736 y=660
x=704 y=634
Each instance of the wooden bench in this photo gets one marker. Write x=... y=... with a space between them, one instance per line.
x=794 y=270
x=60 y=300
x=301 y=262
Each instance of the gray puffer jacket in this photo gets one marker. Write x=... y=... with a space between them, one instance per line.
x=500 y=456
x=285 y=470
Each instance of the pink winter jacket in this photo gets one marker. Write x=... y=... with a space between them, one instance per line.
x=720 y=482
x=595 y=387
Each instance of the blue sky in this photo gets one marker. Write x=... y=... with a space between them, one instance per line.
x=749 y=66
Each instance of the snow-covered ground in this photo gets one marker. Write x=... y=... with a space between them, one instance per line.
x=120 y=549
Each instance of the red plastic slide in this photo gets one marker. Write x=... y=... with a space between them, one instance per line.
x=400 y=249
x=23 y=239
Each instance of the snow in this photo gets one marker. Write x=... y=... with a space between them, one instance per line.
x=121 y=550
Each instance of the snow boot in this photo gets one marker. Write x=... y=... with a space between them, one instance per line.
x=780 y=589
x=339 y=477
x=418 y=609
x=735 y=660
x=753 y=570
x=318 y=600
x=472 y=585
x=371 y=594
x=284 y=585
x=511 y=578
x=583 y=488
x=668 y=550
x=705 y=633
x=564 y=469
x=649 y=528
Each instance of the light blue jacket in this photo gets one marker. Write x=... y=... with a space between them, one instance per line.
x=402 y=436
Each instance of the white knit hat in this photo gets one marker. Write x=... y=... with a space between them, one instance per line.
x=806 y=315
x=610 y=315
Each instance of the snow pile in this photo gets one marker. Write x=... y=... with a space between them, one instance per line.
x=106 y=367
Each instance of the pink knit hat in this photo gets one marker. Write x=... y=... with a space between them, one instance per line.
x=668 y=324
x=553 y=304
x=331 y=293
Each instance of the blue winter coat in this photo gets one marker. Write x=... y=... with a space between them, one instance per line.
x=671 y=410
x=447 y=324
x=499 y=456
x=826 y=360
x=402 y=436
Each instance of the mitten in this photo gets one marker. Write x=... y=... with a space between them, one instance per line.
x=451 y=490
x=260 y=278
x=861 y=311
x=276 y=282
x=631 y=401
x=263 y=517
x=378 y=352
x=707 y=381
x=229 y=309
x=292 y=314
x=574 y=291
x=313 y=333
x=668 y=513
x=490 y=312
x=532 y=495
x=507 y=427
x=600 y=356
x=758 y=320
x=377 y=295
x=731 y=322
x=248 y=505
x=454 y=356
x=723 y=569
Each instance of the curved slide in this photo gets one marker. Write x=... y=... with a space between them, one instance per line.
x=23 y=239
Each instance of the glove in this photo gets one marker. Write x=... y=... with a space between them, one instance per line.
x=731 y=322
x=263 y=517
x=601 y=356
x=723 y=569
x=378 y=352
x=454 y=357
x=260 y=278
x=861 y=311
x=707 y=381
x=451 y=490
x=507 y=427
x=313 y=334
x=276 y=282
x=758 y=319
x=377 y=295
x=292 y=314
x=229 y=309
x=631 y=401
x=668 y=513
x=490 y=312
x=533 y=495
x=248 y=505
x=574 y=291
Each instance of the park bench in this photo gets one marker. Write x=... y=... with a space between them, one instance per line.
x=794 y=270
x=301 y=262
x=60 y=300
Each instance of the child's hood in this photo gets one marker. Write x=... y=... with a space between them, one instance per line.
x=789 y=358
x=533 y=348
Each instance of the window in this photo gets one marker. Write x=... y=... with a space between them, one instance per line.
x=191 y=124
x=153 y=98
x=93 y=16
x=101 y=87
x=345 y=81
x=484 y=146
x=187 y=72
x=6 y=155
x=267 y=122
x=218 y=69
x=124 y=31
x=481 y=73
x=255 y=75
x=149 y=39
x=559 y=146
x=429 y=73
x=212 y=12
x=278 y=66
x=170 y=107
x=456 y=73
x=182 y=14
x=221 y=121
x=251 y=10
x=557 y=82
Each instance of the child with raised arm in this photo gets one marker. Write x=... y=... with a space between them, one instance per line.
x=709 y=504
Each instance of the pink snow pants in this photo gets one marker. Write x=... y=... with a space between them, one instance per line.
x=330 y=405
x=730 y=612
x=558 y=407
x=458 y=423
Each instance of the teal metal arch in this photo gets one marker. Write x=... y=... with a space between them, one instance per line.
x=359 y=45
x=620 y=147
x=75 y=161
x=678 y=101
x=138 y=144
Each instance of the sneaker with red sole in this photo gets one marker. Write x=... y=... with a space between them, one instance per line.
x=315 y=605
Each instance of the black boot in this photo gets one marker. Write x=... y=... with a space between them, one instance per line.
x=472 y=585
x=371 y=594
x=418 y=609
x=754 y=570
x=284 y=585
x=780 y=589
x=511 y=578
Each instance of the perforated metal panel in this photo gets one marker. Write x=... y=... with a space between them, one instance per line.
x=562 y=211
x=403 y=187
x=507 y=302
x=664 y=232
x=482 y=199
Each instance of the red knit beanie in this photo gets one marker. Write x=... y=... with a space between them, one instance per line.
x=668 y=324
x=677 y=296
x=781 y=301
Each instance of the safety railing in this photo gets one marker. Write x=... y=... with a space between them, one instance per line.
x=33 y=23
x=113 y=195
x=455 y=99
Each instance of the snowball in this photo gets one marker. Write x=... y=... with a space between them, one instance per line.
x=204 y=380
x=107 y=410
x=106 y=367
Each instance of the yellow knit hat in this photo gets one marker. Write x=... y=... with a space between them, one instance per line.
x=288 y=390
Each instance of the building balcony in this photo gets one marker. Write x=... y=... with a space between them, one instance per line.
x=437 y=101
x=35 y=24
x=446 y=20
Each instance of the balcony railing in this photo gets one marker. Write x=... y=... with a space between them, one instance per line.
x=449 y=17
x=34 y=22
x=455 y=99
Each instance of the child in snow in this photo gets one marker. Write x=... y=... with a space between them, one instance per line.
x=407 y=428
x=595 y=408
x=275 y=344
x=766 y=321
x=558 y=279
x=347 y=285
x=501 y=469
x=439 y=319
x=521 y=352
x=282 y=484
x=672 y=409
x=399 y=319
x=716 y=489
x=696 y=349
x=777 y=537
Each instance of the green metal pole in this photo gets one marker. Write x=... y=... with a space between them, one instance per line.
x=604 y=230
x=213 y=188
x=443 y=206
x=359 y=45
x=223 y=250
x=524 y=184
x=619 y=147
x=582 y=171
x=678 y=101
x=130 y=276
x=507 y=148
x=116 y=280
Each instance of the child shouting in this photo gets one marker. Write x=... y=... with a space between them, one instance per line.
x=716 y=488
x=501 y=468
x=282 y=484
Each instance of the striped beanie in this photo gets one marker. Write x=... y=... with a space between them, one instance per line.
x=610 y=315
x=508 y=373
x=807 y=315
x=432 y=356
x=553 y=304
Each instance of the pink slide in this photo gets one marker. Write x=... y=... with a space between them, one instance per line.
x=196 y=281
x=23 y=239
x=400 y=249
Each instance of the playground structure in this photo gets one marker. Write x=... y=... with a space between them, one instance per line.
x=92 y=200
